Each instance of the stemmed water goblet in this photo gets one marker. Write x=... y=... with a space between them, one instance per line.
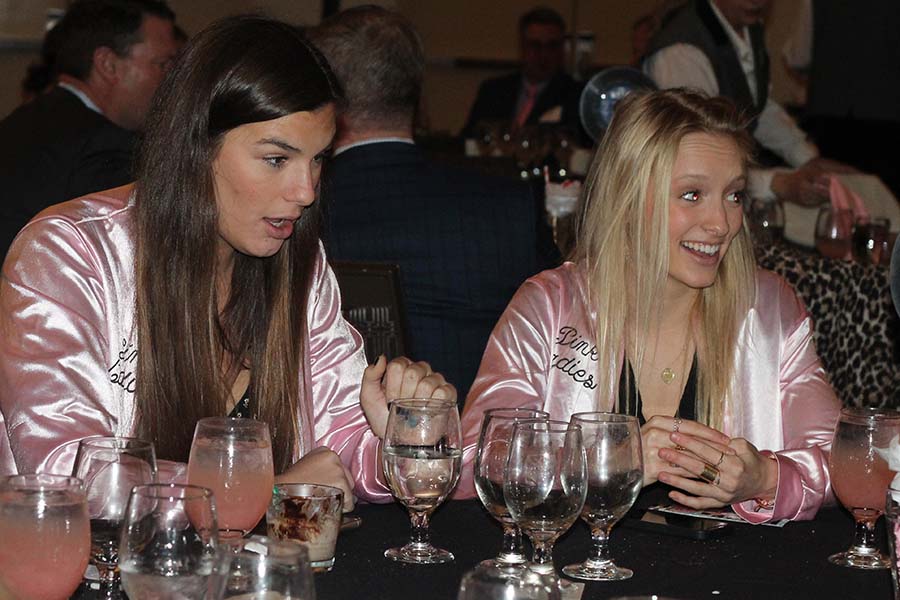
x=545 y=484
x=170 y=543
x=615 y=473
x=490 y=464
x=860 y=476
x=45 y=536
x=110 y=467
x=233 y=458
x=421 y=459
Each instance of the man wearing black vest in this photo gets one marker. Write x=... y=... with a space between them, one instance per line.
x=718 y=46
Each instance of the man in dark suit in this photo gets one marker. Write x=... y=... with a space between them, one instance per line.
x=542 y=91
x=78 y=137
x=464 y=241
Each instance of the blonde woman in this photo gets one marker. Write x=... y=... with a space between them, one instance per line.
x=663 y=314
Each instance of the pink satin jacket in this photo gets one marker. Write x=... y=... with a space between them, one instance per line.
x=541 y=355
x=68 y=351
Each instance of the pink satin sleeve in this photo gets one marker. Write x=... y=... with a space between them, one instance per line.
x=513 y=371
x=336 y=365
x=54 y=388
x=810 y=410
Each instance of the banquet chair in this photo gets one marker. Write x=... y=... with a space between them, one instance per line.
x=372 y=302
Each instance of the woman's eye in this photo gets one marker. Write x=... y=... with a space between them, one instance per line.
x=691 y=196
x=275 y=161
x=320 y=157
x=737 y=197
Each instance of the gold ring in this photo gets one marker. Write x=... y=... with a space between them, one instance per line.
x=721 y=458
x=718 y=476
x=676 y=426
x=710 y=474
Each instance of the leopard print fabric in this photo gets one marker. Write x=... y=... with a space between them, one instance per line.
x=857 y=329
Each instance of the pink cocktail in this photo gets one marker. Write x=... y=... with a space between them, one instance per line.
x=233 y=458
x=860 y=477
x=859 y=480
x=45 y=534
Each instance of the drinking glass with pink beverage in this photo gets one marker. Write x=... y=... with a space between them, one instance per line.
x=45 y=536
x=860 y=476
x=834 y=232
x=233 y=458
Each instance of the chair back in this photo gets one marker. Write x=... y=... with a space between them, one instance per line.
x=372 y=301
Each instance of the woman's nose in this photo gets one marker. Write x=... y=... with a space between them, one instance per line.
x=715 y=219
x=302 y=190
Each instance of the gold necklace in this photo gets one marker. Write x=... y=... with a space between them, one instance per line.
x=668 y=375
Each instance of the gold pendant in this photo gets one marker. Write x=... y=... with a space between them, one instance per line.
x=667 y=375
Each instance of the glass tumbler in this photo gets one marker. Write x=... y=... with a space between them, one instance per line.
x=260 y=568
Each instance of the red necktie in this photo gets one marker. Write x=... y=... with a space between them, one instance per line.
x=530 y=97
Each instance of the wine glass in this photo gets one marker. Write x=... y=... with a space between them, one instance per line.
x=110 y=467
x=45 y=536
x=615 y=473
x=834 y=232
x=766 y=221
x=169 y=544
x=545 y=484
x=233 y=458
x=870 y=240
x=860 y=476
x=487 y=582
x=260 y=567
x=490 y=463
x=421 y=458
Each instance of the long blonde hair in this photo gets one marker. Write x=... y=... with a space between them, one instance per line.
x=623 y=241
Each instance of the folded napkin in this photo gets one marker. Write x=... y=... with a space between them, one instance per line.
x=865 y=195
x=843 y=198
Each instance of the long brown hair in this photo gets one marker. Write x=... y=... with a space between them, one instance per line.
x=239 y=70
x=625 y=254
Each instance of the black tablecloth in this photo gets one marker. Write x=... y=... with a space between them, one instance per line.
x=753 y=562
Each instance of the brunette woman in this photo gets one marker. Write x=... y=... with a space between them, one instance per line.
x=202 y=289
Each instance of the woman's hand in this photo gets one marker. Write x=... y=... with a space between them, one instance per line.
x=401 y=378
x=656 y=438
x=739 y=475
x=324 y=467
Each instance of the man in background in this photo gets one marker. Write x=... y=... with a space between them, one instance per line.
x=718 y=47
x=542 y=91
x=464 y=241
x=78 y=137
